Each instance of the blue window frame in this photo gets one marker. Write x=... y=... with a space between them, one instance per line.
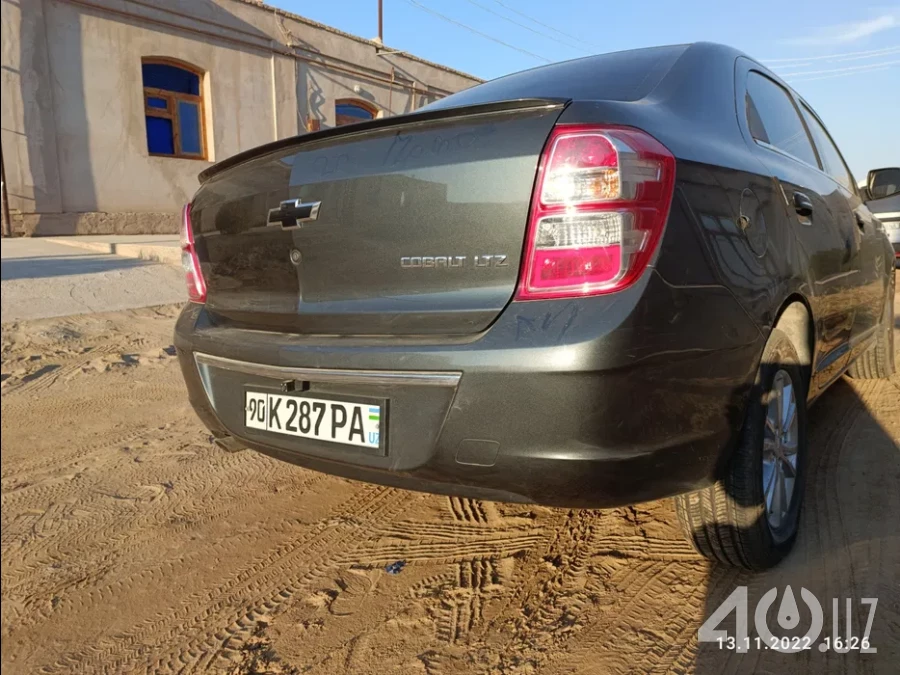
x=173 y=108
x=351 y=111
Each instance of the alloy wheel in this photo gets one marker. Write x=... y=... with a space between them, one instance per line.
x=779 y=456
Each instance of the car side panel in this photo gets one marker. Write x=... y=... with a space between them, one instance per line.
x=828 y=242
x=762 y=259
x=740 y=229
x=869 y=281
x=875 y=270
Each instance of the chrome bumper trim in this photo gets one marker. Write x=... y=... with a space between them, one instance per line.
x=369 y=377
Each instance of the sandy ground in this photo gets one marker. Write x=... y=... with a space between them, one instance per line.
x=131 y=544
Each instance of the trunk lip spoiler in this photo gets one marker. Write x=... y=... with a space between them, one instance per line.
x=423 y=115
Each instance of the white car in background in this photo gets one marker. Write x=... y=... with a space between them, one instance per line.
x=881 y=192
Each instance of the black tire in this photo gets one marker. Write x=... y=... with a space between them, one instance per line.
x=877 y=362
x=727 y=522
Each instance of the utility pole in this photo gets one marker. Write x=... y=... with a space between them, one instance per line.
x=381 y=22
x=7 y=225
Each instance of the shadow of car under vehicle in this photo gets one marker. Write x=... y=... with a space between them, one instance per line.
x=848 y=547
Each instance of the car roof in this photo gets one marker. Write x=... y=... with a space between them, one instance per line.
x=628 y=75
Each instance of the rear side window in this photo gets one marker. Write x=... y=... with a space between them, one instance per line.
x=774 y=120
x=831 y=157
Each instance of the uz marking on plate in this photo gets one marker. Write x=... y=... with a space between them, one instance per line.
x=322 y=419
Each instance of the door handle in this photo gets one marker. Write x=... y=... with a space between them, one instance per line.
x=802 y=204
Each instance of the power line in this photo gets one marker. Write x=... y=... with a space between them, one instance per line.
x=522 y=25
x=830 y=77
x=888 y=52
x=868 y=66
x=830 y=57
x=478 y=32
x=549 y=27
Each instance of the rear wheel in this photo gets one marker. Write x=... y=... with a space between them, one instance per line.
x=877 y=362
x=749 y=518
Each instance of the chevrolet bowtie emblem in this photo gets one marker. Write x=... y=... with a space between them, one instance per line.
x=291 y=212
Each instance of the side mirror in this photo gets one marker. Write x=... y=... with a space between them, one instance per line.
x=882 y=183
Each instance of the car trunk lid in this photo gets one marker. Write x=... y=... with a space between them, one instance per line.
x=409 y=225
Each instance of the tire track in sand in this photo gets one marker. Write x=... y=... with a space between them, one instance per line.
x=213 y=622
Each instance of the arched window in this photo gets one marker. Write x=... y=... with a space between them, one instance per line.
x=351 y=111
x=173 y=107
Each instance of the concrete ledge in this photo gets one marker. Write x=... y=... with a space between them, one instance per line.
x=167 y=251
x=94 y=222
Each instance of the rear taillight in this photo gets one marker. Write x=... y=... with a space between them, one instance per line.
x=193 y=276
x=599 y=207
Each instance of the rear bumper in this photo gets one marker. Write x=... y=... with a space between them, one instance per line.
x=596 y=402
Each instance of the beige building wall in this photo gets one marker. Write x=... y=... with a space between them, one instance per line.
x=74 y=140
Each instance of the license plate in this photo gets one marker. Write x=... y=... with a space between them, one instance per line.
x=342 y=422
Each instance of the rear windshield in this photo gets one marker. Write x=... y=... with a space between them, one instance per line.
x=620 y=76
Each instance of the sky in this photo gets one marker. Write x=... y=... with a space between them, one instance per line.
x=843 y=59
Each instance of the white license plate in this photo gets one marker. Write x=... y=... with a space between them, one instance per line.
x=322 y=419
